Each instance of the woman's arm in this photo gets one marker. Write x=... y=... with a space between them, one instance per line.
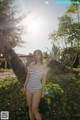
x=26 y=81
x=27 y=78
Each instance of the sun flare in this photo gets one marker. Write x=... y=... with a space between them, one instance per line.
x=32 y=24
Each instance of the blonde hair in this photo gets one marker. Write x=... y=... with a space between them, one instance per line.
x=40 y=52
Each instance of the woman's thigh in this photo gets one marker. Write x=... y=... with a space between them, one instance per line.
x=36 y=99
x=29 y=98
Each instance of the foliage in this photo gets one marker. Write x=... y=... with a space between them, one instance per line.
x=13 y=100
x=75 y=0
x=61 y=101
x=67 y=35
x=71 y=55
x=72 y=8
x=69 y=27
x=54 y=53
x=50 y=105
x=5 y=70
x=9 y=24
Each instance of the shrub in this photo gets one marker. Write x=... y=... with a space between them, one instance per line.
x=51 y=104
x=62 y=100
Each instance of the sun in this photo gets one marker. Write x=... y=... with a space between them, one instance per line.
x=32 y=24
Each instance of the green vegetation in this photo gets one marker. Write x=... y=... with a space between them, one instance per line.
x=5 y=70
x=62 y=99
x=7 y=18
x=13 y=100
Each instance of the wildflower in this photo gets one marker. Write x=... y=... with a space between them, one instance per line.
x=46 y=93
x=49 y=101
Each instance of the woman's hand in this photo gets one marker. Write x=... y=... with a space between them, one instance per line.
x=24 y=89
x=42 y=94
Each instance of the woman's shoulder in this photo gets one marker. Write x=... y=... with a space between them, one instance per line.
x=31 y=65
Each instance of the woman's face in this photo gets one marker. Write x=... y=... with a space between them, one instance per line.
x=37 y=56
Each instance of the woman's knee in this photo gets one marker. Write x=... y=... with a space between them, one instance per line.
x=34 y=110
x=30 y=107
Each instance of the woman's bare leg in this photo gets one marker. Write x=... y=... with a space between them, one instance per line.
x=35 y=104
x=29 y=102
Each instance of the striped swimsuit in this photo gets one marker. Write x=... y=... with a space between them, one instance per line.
x=34 y=83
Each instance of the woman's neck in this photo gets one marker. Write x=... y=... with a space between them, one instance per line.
x=38 y=63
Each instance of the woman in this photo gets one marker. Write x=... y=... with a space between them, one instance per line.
x=34 y=84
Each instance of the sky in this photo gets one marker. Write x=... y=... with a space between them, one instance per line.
x=41 y=19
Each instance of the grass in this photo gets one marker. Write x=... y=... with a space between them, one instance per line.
x=5 y=70
x=13 y=100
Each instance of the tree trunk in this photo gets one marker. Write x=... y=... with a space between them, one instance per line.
x=12 y=58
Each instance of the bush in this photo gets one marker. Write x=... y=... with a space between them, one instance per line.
x=62 y=101
x=51 y=104
x=13 y=100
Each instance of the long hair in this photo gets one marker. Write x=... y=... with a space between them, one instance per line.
x=40 y=52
